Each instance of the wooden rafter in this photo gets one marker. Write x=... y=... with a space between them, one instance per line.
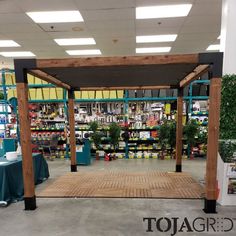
x=123 y=88
x=116 y=61
x=50 y=79
x=198 y=71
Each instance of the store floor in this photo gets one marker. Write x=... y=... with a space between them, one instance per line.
x=107 y=217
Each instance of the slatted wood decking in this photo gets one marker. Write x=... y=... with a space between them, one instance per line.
x=124 y=184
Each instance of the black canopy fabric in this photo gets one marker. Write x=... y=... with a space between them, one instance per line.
x=122 y=76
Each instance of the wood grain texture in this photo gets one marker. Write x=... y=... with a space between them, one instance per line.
x=124 y=184
x=50 y=79
x=25 y=136
x=71 y=114
x=179 y=130
x=111 y=61
x=198 y=71
x=123 y=88
x=213 y=135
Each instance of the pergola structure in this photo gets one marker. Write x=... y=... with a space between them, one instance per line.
x=131 y=72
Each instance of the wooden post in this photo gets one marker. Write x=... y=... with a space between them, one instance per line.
x=179 y=131
x=71 y=115
x=212 y=145
x=25 y=135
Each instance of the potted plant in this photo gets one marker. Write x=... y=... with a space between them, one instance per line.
x=171 y=138
x=114 y=133
x=190 y=132
x=96 y=136
x=163 y=137
x=202 y=140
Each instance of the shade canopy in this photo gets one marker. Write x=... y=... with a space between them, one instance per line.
x=134 y=72
x=124 y=76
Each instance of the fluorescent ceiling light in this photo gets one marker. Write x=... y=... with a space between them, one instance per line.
x=17 y=54
x=153 y=50
x=55 y=16
x=75 y=41
x=84 y=52
x=8 y=43
x=164 y=11
x=156 y=38
x=213 y=47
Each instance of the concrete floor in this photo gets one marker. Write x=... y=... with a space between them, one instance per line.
x=107 y=217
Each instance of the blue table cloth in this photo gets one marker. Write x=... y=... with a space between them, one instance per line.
x=11 y=177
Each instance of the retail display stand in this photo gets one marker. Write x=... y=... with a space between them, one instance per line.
x=226 y=175
x=41 y=92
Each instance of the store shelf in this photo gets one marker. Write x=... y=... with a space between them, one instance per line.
x=49 y=94
x=199 y=114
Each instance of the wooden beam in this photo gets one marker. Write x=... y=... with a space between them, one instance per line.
x=179 y=131
x=198 y=71
x=115 y=61
x=50 y=79
x=212 y=145
x=25 y=140
x=124 y=88
x=71 y=115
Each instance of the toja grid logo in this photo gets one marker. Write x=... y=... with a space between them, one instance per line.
x=174 y=225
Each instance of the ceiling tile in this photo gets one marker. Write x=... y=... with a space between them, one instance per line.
x=46 y=5
x=62 y=27
x=21 y=28
x=160 y=23
x=24 y=36
x=14 y=18
x=9 y=7
x=104 y=4
x=203 y=29
x=153 y=31
x=111 y=14
x=160 y=2
x=206 y=7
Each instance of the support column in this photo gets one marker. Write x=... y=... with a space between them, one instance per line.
x=25 y=134
x=228 y=36
x=212 y=145
x=71 y=113
x=179 y=131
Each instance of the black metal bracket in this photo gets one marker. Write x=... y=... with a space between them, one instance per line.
x=21 y=67
x=209 y=206
x=73 y=168
x=71 y=94
x=30 y=203
x=215 y=60
x=180 y=92
x=178 y=168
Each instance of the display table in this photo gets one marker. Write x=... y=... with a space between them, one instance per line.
x=11 y=177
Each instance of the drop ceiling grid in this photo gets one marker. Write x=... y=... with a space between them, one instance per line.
x=106 y=20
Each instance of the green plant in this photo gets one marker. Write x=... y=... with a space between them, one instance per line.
x=163 y=134
x=1 y=96
x=114 y=132
x=171 y=139
x=228 y=107
x=227 y=149
x=202 y=136
x=93 y=126
x=190 y=132
x=228 y=118
x=167 y=135
x=96 y=136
